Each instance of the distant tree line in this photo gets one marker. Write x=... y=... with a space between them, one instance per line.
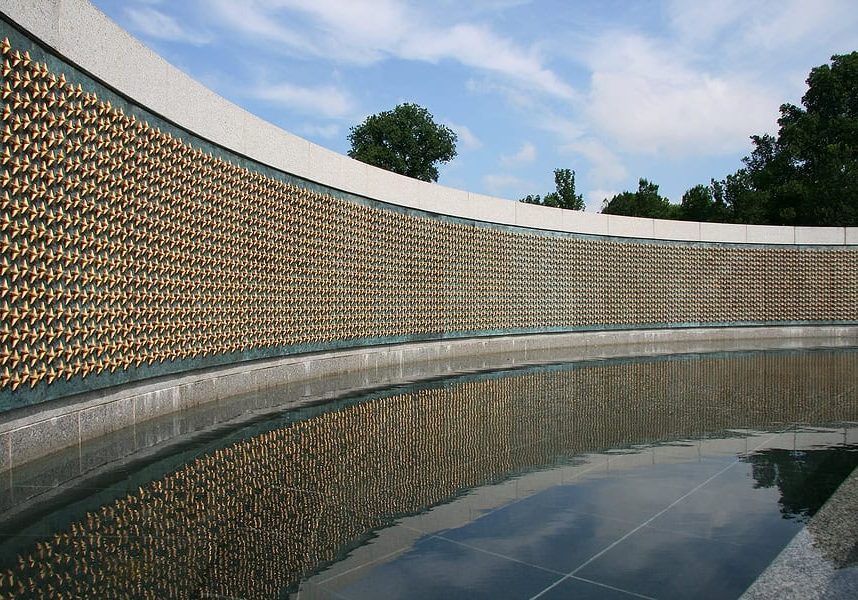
x=564 y=195
x=807 y=175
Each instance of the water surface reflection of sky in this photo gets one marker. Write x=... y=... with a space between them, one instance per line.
x=652 y=477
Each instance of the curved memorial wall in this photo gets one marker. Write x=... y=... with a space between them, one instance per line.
x=147 y=232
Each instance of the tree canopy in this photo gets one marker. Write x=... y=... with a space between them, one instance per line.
x=405 y=140
x=646 y=202
x=564 y=195
x=808 y=174
x=704 y=203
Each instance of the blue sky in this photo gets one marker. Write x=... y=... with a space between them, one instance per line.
x=616 y=90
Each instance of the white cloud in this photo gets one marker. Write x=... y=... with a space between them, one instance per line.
x=648 y=101
x=520 y=98
x=525 y=154
x=701 y=89
x=465 y=136
x=593 y=199
x=703 y=21
x=158 y=25
x=481 y=7
x=341 y=32
x=480 y=47
x=564 y=128
x=794 y=22
x=251 y=20
x=323 y=131
x=505 y=184
x=606 y=167
x=765 y=32
x=322 y=101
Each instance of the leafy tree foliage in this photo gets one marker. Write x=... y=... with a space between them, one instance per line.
x=563 y=197
x=646 y=202
x=808 y=174
x=704 y=203
x=405 y=140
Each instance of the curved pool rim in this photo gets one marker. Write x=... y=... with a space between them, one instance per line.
x=34 y=432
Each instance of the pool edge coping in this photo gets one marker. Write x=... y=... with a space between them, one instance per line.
x=31 y=433
x=806 y=568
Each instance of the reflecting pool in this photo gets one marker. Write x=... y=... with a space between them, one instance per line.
x=656 y=478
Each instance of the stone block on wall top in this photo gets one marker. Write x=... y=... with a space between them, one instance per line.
x=488 y=209
x=819 y=235
x=630 y=226
x=723 y=232
x=578 y=221
x=329 y=167
x=664 y=229
x=538 y=217
x=770 y=234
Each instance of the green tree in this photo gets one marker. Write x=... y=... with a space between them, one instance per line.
x=704 y=203
x=646 y=202
x=744 y=203
x=405 y=140
x=563 y=197
x=808 y=174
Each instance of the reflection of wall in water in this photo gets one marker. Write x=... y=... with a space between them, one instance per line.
x=131 y=249
x=250 y=519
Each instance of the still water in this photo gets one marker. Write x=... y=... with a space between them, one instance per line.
x=656 y=478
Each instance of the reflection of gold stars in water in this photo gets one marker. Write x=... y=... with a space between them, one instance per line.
x=124 y=245
x=253 y=518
